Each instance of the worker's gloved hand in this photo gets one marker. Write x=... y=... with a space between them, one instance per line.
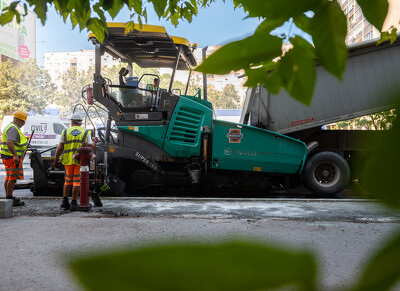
x=16 y=161
x=56 y=163
x=95 y=139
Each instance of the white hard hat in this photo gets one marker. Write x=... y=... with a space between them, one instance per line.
x=77 y=116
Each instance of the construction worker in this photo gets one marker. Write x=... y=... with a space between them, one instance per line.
x=13 y=147
x=154 y=87
x=71 y=139
x=152 y=96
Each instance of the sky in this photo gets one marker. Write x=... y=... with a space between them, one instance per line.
x=215 y=25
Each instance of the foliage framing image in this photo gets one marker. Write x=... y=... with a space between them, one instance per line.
x=294 y=72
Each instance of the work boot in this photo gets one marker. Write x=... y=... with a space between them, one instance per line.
x=16 y=201
x=74 y=205
x=65 y=203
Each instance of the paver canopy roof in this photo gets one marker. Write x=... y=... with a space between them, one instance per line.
x=149 y=47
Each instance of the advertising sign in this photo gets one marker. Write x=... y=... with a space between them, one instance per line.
x=18 y=41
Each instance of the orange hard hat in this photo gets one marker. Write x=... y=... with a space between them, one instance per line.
x=20 y=115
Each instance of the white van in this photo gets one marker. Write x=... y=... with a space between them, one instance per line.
x=47 y=129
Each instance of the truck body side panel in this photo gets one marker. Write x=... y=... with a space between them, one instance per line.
x=370 y=81
x=245 y=148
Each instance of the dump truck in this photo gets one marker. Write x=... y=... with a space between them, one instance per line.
x=157 y=139
x=370 y=84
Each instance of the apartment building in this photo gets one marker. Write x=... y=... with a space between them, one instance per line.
x=59 y=62
x=359 y=29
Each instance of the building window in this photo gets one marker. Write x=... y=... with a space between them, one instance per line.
x=368 y=35
x=367 y=27
x=358 y=15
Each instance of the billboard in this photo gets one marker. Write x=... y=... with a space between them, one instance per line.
x=18 y=41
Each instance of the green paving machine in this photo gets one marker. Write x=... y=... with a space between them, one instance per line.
x=156 y=138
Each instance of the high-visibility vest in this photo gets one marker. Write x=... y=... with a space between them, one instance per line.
x=19 y=147
x=73 y=139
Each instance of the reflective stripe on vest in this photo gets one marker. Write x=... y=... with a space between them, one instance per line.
x=73 y=139
x=19 y=147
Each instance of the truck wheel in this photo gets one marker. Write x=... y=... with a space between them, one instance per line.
x=326 y=173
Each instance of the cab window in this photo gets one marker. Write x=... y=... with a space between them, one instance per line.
x=58 y=128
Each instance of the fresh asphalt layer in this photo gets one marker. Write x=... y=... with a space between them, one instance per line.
x=237 y=208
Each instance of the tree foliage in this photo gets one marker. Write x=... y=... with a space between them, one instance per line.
x=70 y=92
x=294 y=72
x=227 y=99
x=24 y=86
x=377 y=121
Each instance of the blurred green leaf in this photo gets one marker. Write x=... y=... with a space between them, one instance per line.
x=107 y=4
x=296 y=72
x=187 y=14
x=114 y=10
x=13 y=5
x=129 y=26
x=242 y=54
x=136 y=5
x=254 y=76
x=270 y=24
x=303 y=22
x=97 y=27
x=274 y=83
x=383 y=270
x=84 y=18
x=100 y=13
x=393 y=35
x=380 y=176
x=61 y=5
x=275 y=9
x=6 y=17
x=74 y=20
x=385 y=36
x=375 y=11
x=259 y=75
x=40 y=10
x=145 y=14
x=174 y=18
x=228 y=266
x=78 y=7
x=328 y=30
x=159 y=6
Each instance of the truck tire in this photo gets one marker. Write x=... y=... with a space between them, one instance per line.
x=326 y=173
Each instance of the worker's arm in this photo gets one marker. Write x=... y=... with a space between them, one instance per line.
x=94 y=141
x=59 y=151
x=11 y=147
x=91 y=141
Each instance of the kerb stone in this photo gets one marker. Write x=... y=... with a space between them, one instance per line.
x=6 y=208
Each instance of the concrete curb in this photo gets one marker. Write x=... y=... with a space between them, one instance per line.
x=6 y=208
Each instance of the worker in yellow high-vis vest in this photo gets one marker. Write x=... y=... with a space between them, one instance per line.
x=13 y=147
x=154 y=86
x=71 y=139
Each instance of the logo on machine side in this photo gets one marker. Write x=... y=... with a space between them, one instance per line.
x=234 y=135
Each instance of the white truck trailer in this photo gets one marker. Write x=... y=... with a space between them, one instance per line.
x=370 y=84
